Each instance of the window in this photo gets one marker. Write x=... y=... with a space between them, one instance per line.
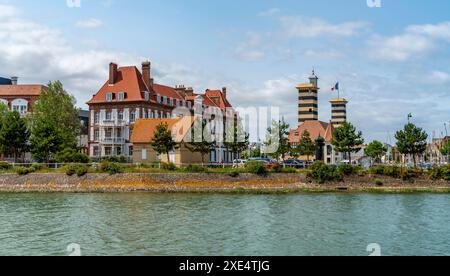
x=108 y=151
x=96 y=151
x=118 y=150
x=109 y=97
x=171 y=102
x=133 y=116
x=158 y=98
x=96 y=117
x=189 y=105
x=20 y=106
x=121 y=96
x=147 y=96
x=164 y=100
x=108 y=115
x=144 y=154
x=96 y=135
x=120 y=115
x=130 y=150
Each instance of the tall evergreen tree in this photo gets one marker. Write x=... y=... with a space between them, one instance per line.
x=163 y=142
x=411 y=140
x=14 y=135
x=346 y=138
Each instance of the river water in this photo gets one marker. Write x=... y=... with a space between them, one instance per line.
x=188 y=224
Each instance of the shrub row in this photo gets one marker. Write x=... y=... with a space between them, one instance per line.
x=442 y=172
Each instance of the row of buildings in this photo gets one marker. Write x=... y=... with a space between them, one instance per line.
x=124 y=113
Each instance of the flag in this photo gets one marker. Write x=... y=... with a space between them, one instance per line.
x=336 y=87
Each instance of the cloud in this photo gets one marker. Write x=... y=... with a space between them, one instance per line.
x=251 y=49
x=306 y=27
x=439 y=77
x=7 y=11
x=91 y=23
x=415 y=41
x=269 y=13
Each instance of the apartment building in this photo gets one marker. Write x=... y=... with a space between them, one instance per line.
x=131 y=94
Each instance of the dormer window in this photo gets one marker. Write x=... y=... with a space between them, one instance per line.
x=109 y=97
x=164 y=100
x=121 y=96
x=146 y=96
x=158 y=98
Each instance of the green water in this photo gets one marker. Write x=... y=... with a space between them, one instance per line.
x=181 y=224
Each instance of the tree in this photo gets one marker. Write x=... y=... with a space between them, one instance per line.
x=306 y=147
x=45 y=141
x=277 y=140
x=236 y=140
x=445 y=149
x=163 y=142
x=376 y=150
x=14 y=135
x=200 y=139
x=346 y=138
x=411 y=140
x=56 y=117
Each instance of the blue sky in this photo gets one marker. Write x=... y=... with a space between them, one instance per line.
x=390 y=61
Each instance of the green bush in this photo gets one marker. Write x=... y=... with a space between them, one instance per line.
x=24 y=170
x=72 y=156
x=324 y=173
x=194 y=169
x=348 y=170
x=234 y=174
x=440 y=172
x=288 y=170
x=258 y=168
x=168 y=167
x=111 y=167
x=78 y=169
x=5 y=166
x=378 y=182
x=39 y=167
x=392 y=171
x=116 y=159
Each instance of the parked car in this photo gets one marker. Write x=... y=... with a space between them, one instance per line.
x=239 y=163
x=293 y=163
x=270 y=163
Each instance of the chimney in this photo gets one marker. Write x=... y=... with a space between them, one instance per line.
x=112 y=73
x=189 y=91
x=181 y=89
x=14 y=80
x=224 y=92
x=146 y=67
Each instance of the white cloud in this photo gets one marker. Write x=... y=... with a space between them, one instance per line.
x=251 y=49
x=439 y=77
x=306 y=27
x=270 y=12
x=91 y=23
x=416 y=41
x=399 y=48
x=7 y=11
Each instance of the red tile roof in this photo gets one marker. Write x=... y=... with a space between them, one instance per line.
x=144 y=129
x=166 y=91
x=315 y=129
x=128 y=80
x=223 y=102
x=21 y=90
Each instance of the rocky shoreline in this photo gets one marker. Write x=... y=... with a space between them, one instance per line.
x=210 y=183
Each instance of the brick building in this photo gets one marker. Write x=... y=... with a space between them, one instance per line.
x=19 y=97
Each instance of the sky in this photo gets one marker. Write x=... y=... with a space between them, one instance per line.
x=390 y=60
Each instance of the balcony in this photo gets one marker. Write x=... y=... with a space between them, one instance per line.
x=113 y=141
x=113 y=123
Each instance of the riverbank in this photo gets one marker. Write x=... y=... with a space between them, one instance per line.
x=212 y=183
